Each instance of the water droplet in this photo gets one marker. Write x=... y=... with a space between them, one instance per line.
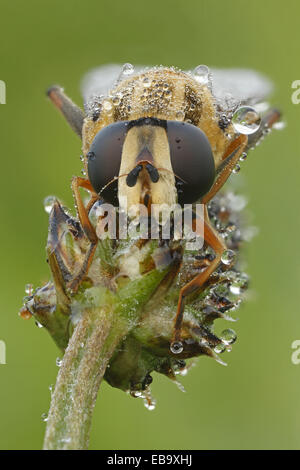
x=235 y=288
x=228 y=336
x=25 y=314
x=146 y=82
x=28 y=289
x=116 y=100
x=201 y=73
x=48 y=203
x=127 y=69
x=136 y=394
x=51 y=388
x=38 y=324
x=176 y=347
x=246 y=120
x=266 y=131
x=236 y=169
x=220 y=348
x=83 y=172
x=243 y=156
x=228 y=257
x=183 y=372
x=279 y=125
x=150 y=404
x=44 y=417
x=107 y=106
x=180 y=115
x=81 y=158
x=58 y=361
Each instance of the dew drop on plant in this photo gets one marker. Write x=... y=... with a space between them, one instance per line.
x=220 y=348
x=150 y=405
x=243 y=156
x=38 y=324
x=201 y=73
x=48 y=203
x=246 y=120
x=235 y=288
x=28 y=289
x=58 y=361
x=183 y=372
x=228 y=257
x=44 y=417
x=176 y=347
x=228 y=336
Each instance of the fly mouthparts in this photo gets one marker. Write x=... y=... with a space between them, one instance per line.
x=134 y=174
x=153 y=173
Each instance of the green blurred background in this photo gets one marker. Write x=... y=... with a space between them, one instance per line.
x=255 y=401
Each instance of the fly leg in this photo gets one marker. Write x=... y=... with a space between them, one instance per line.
x=218 y=245
x=211 y=237
x=231 y=157
x=86 y=225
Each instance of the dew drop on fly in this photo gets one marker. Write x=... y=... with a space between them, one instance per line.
x=201 y=74
x=127 y=69
x=228 y=257
x=246 y=120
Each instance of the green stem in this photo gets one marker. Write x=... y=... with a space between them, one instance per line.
x=90 y=348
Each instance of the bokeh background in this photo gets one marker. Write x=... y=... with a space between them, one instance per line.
x=254 y=403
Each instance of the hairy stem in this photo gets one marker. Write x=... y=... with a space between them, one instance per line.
x=90 y=348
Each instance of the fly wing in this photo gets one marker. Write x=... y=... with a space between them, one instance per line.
x=100 y=80
x=230 y=87
x=241 y=85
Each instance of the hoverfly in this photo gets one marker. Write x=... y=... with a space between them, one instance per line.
x=162 y=135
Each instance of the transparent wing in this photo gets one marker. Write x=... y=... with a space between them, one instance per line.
x=245 y=86
x=101 y=79
x=98 y=81
x=238 y=85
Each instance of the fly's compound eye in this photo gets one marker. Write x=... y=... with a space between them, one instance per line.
x=192 y=161
x=104 y=160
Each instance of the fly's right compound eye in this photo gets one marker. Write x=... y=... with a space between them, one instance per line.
x=192 y=160
x=104 y=160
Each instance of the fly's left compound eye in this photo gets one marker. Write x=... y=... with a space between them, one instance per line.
x=192 y=161
x=104 y=160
